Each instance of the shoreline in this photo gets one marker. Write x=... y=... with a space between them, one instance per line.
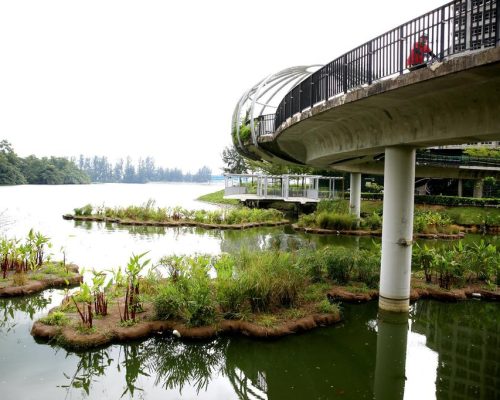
x=180 y=223
x=108 y=330
x=36 y=286
x=378 y=232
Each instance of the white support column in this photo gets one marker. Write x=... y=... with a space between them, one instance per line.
x=397 y=228
x=355 y=194
x=460 y=188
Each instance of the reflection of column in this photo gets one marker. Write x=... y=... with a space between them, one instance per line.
x=391 y=355
x=478 y=189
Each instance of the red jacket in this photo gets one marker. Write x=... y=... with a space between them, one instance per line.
x=417 y=54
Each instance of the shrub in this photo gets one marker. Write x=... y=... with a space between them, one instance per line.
x=169 y=302
x=373 y=221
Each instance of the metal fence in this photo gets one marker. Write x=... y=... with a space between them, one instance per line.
x=456 y=27
x=264 y=124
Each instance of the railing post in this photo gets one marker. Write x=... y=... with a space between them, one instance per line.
x=325 y=78
x=310 y=92
x=441 y=39
x=300 y=97
x=401 y=49
x=370 y=60
x=497 y=33
x=344 y=74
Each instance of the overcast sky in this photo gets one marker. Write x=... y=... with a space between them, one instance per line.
x=160 y=78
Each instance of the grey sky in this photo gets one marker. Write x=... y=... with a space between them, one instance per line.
x=159 y=78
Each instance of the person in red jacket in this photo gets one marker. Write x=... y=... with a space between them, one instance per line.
x=418 y=53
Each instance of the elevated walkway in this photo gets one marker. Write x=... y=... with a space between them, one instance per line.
x=367 y=106
x=302 y=189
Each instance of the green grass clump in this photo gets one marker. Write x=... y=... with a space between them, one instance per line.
x=56 y=318
x=188 y=296
x=327 y=220
x=148 y=212
x=344 y=265
x=218 y=198
x=86 y=210
x=325 y=307
x=474 y=215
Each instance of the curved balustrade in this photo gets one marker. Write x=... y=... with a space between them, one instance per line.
x=456 y=27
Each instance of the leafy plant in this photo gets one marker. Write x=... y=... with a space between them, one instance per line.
x=57 y=318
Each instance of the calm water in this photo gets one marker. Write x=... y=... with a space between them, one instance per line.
x=439 y=351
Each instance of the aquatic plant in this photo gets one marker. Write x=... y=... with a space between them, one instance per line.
x=84 y=296
x=57 y=318
x=98 y=289
x=132 y=295
x=21 y=256
x=148 y=212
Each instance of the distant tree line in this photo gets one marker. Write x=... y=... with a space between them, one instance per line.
x=100 y=169
x=15 y=170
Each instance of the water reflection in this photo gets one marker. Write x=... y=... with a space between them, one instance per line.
x=466 y=339
x=392 y=334
x=15 y=309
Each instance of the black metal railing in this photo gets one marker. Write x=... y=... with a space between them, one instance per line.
x=264 y=124
x=458 y=26
x=461 y=160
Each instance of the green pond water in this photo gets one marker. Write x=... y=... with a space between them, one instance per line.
x=438 y=351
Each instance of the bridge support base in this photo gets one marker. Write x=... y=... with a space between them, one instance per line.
x=397 y=229
x=355 y=194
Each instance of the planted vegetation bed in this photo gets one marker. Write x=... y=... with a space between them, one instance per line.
x=27 y=269
x=263 y=295
x=332 y=217
x=148 y=214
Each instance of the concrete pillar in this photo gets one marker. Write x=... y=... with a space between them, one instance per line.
x=390 y=366
x=355 y=195
x=397 y=229
x=478 y=189
x=460 y=188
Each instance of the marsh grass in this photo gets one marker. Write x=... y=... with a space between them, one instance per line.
x=325 y=307
x=19 y=279
x=148 y=212
x=56 y=318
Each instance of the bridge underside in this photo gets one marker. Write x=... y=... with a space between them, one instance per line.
x=458 y=102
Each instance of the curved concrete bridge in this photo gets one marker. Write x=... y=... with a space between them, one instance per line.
x=366 y=107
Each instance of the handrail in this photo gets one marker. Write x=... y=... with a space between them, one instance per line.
x=456 y=27
x=460 y=160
